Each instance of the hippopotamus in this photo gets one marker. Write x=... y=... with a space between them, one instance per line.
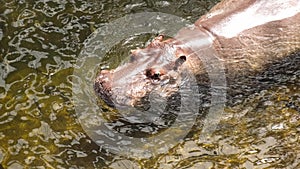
x=244 y=35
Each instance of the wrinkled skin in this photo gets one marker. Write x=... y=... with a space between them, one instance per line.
x=155 y=68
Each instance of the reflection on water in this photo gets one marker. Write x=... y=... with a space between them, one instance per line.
x=39 y=44
x=261 y=132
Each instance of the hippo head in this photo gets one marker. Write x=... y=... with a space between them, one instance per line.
x=155 y=68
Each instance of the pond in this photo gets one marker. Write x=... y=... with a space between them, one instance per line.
x=43 y=112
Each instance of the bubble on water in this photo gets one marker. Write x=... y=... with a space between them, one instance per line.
x=1 y=34
x=124 y=164
x=15 y=164
x=2 y=155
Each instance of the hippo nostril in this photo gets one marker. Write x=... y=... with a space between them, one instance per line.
x=153 y=74
x=148 y=73
x=156 y=75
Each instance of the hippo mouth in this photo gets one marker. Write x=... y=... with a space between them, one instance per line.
x=102 y=87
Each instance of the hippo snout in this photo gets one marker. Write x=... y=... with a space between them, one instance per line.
x=125 y=90
x=134 y=90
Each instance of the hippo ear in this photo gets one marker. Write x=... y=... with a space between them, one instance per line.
x=179 y=61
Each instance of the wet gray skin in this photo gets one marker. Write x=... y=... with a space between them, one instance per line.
x=155 y=68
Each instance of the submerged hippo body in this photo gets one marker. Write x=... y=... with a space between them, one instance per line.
x=245 y=35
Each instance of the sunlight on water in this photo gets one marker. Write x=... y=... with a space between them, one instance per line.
x=39 y=45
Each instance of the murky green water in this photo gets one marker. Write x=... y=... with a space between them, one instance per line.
x=39 y=44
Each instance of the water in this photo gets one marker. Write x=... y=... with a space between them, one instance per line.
x=40 y=42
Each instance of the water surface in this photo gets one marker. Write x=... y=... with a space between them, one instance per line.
x=40 y=42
